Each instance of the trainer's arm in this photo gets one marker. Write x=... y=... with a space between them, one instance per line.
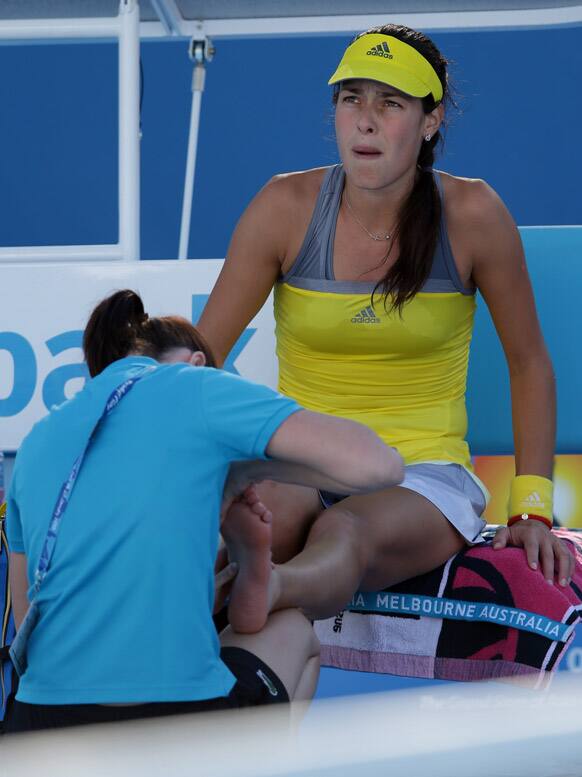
x=335 y=454
x=18 y=586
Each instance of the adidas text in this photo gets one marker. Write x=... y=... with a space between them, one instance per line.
x=381 y=50
x=534 y=500
x=366 y=316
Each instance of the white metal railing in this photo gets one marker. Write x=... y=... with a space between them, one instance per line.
x=201 y=51
x=169 y=15
x=446 y=21
x=129 y=134
x=125 y=28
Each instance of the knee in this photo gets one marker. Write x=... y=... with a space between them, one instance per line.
x=294 y=509
x=295 y=629
x=340 y=524
x=289 y=538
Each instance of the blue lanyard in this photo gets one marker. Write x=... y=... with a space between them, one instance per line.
x=67 y=487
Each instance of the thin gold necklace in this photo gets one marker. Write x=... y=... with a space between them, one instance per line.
x=378 y=237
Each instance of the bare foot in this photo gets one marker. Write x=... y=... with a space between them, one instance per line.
x=246 y=529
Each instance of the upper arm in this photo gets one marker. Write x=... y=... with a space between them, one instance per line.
x=251 y=268
x=241 y=416
x=345 y=450
x=500 y=273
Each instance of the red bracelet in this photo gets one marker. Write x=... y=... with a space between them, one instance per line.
x=529 y=517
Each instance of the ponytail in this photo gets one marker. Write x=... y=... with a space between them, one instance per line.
x=112 y=330
x=119 y=326
x=417 y=232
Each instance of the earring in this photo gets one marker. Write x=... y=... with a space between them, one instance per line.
x=427 y=138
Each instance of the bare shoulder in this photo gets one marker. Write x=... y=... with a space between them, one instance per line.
x=294 y=189
x=473 y=202
x=481 y=229
x=286 y=203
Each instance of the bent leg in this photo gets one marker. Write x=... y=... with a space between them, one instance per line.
x=288 y=645
x=367 y=542
x=294 y=509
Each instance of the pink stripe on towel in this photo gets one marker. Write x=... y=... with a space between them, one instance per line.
x=415 y=645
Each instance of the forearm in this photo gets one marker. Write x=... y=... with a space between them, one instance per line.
x=242 y=473
x=333 y=454
x=533 y=398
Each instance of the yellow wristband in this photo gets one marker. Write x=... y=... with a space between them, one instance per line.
x=531 y=494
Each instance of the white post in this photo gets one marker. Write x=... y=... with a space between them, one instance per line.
x=200 y=50
x=129 y=135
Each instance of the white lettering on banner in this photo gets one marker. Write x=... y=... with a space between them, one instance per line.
x=493 y=612
x=459 y=610
x=45 y=308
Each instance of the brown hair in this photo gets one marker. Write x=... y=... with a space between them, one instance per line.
x=417 y=227
x=119 y=326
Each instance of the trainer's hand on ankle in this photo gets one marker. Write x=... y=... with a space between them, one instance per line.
x=236 y=484
x=223 y=583
x=221 y=557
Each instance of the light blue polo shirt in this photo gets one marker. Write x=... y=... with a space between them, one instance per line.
x=126 y=607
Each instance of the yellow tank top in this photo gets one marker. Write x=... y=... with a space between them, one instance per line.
x=403 y=377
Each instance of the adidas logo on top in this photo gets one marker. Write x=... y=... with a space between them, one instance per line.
x=381 y=50
x=366 y=316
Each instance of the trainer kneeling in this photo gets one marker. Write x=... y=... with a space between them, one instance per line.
x=114 y=512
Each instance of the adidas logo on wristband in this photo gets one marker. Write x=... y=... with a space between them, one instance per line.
x=534 y=500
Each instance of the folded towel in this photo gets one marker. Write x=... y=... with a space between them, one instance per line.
x=484 y=614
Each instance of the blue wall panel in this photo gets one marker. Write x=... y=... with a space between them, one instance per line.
x=266 y=109
x=58 y=141
x=554 y=257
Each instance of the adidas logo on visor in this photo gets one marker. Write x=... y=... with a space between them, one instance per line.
x=366 y=316
x=381 y=50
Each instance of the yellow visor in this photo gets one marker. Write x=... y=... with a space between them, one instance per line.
x=390 y=61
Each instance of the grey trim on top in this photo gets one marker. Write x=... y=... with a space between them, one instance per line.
x=446 y=252
x=313 y=267
x=433 y=285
